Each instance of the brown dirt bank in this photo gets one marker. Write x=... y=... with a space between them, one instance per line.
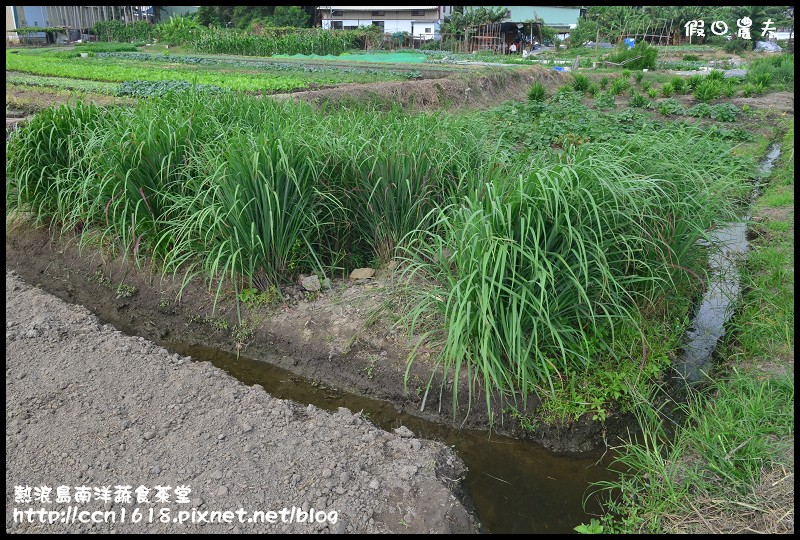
x=334 y=338
x=482 y=88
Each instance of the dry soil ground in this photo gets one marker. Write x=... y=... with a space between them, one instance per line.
x=89 y=406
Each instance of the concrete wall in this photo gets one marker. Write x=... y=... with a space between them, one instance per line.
x=11 y=24
x=394 y=20
x=415 y=28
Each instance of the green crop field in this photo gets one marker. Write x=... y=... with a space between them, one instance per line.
x=243 y=76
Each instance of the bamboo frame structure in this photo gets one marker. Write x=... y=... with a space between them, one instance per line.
x=484 y=37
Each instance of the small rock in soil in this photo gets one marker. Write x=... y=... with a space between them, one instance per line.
x=362 y=273
x=311 y=283
x=404 y=432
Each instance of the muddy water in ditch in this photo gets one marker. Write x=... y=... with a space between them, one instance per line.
x=729 y=242
x=516 y=486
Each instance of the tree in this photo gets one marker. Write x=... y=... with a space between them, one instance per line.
x=215 y=15
x=243 y=16
x=458 y=22
x=290 y=16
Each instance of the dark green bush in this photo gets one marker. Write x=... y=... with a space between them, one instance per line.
x=580 y=82
x=735 y=46
x=620 y=85
x=537 y=92
x=641 y=56
x=708 y=90
x=678 y=83
x=638 y=100
x=670 y=107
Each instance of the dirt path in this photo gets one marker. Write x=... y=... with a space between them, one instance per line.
x=89 y=406
x=475 y=90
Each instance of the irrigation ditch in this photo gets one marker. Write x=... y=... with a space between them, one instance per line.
x=696 y=359
x=515 y=485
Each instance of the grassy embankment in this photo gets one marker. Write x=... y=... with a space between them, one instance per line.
x=728 y=468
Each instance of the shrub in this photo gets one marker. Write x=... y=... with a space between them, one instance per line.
x=708 y=90
x=652 y=93
x=641 y=56
x=605 y=100
x=580 y=82
x=736 y=46
x=691 y=58
x=619 y=86
x=667 y=90
x=670 y=107
x=724 y=112
x=567 y=96
x=537 y=92
x=715 y=75
x=678 y=84
x=638 y=100
x=701 y=110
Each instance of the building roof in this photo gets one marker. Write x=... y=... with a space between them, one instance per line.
x=378 y=8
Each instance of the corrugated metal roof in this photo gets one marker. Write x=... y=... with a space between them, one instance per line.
x=379 y=8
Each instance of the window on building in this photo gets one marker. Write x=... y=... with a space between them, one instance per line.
x=351 y=27
x=417 y=12
x=336 y=25
x=378 y=13
x=337 y=13
x=378 y=23
x=508 y=14
x=428 y=31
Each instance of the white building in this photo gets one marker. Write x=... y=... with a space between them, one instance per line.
x=421 y=22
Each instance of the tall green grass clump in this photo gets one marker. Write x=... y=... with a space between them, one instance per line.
x=777 y=68
x=529 y=270
x=277 y=41
x=620 y=85
x=230 y=187
x=48 y=158
x=255 y=209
